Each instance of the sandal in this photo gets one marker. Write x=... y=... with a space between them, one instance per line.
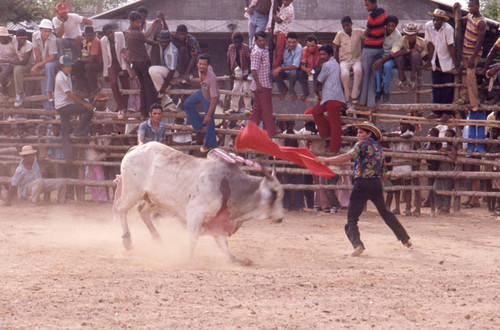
x=402 y=85
x=471 y=206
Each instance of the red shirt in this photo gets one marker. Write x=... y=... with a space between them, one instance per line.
x=311 y=60
x=376 y=24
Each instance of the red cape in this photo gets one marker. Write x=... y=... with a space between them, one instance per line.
x=252 y=137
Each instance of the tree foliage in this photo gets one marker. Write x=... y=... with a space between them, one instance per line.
x=491 y=9
x=19 y=10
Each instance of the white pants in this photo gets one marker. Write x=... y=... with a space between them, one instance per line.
x=158 y=74
x=47 y=186
x=345 y=77
x=241 y=86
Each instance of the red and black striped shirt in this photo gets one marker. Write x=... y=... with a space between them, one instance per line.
x=376 y=24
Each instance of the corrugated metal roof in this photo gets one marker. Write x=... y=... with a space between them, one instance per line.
x=28 y=26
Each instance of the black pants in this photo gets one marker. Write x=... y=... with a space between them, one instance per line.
x=148 y=91
x=443 y=95
x=362 y=191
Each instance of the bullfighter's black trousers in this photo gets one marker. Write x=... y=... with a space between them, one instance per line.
x=362 y=191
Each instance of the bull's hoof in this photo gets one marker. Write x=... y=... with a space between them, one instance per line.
x=156 y=237
x=127 y=241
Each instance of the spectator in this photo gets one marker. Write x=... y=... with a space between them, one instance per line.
x=432 y=165
x=68 y=104
x=89 y=63
x=492 y=185
x=384 y=67
x=372 y=50
x=152 y=32
x=208 y=96
x=152 y=129
x=347 y=47
x=475 y=31
x=492 y=71
x=259 y=11
x=23 y=64
x=292 y=199
x=441 y=45
x=401 y=167
x=135 y=41
x=332 y=99
x=114 y=65
x=162 y=74
x=238 y=61
x=283 y=25
x=28 y=182
x=44 y=44
x=411 y=50
x=8 y=56
x=101 y=102
x=67 y=28
x=189 y=50
x=262 y=85
x=310 y=65
x=289 y=68
x=445 y=184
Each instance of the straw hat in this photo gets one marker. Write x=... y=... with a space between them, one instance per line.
x=45 y=24
x=411 y=28
x=439 y=13
x=4 y=32
x=27 y=150
x=376 y=133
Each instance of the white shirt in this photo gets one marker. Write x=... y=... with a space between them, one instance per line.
x=63 y=85
x=8 y=51
x=71 y=26
x=28 y=46
x=47 y=48
x=120 y=46
x=440 y=39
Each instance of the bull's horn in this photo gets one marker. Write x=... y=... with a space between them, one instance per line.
x=273 y=173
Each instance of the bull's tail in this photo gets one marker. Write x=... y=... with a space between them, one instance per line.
x=118 y=194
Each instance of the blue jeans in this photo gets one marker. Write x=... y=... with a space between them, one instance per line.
x=368 y=56
x=387 y=71
x=256 y=23
x=476 y=132
x=48 y=83
x=196 y=120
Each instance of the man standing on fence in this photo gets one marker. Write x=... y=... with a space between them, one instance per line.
x=28 y=183
x=369 y=172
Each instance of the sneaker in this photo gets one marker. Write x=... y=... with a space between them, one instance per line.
x=231 y=111
x=334 y=210
x=50 y=95
x=316 y=209
x=248 y=112
x=386 y=96
x=204 y=149
x=358 y=251
x=19 y=100
x=355 y=101
x=120 y=114
x=378 y=96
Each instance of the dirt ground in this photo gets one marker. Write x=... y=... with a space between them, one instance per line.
x=63 y=267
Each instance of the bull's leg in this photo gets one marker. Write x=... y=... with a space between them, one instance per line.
x=222 y=243
x=121 y=208
x=145 y=209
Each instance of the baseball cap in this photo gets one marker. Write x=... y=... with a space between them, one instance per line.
x=66 y=60
x=62 y=7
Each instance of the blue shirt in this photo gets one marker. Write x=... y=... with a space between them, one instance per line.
x=292 y=57
x=146 y=130
x=330 y=77
x=23 y=177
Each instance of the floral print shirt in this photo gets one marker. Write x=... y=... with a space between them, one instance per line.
x=369 y=160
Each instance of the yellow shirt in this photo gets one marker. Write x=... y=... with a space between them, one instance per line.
x=404 y=43
x=349 y=46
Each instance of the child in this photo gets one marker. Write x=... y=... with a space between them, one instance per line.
x=443 y=202
x=238 y=61
x=140 y=60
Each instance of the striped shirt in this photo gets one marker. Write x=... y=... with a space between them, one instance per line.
x=376 y=24
x=471 y=34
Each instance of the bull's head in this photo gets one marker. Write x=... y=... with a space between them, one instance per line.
x=272 y=194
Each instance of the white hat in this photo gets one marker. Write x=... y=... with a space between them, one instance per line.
x=4 y=32
x=45 y=24
x=27 y=150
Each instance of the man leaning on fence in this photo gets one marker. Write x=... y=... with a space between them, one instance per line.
x=28 y=182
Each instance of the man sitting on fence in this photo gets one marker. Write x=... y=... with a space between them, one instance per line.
x=67 y=28
x=22 y=65
x=289 y=69
x=45 y=48
x=89 y=64
x=7 y=57
x=28 y=182
x=412 y=48
x=493 y=71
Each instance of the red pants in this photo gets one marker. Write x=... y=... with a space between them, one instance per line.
x=279 y=50
x=330 y=126
x=263 y=110
x=121 y=99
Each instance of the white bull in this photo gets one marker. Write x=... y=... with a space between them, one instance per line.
x=211 y=196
